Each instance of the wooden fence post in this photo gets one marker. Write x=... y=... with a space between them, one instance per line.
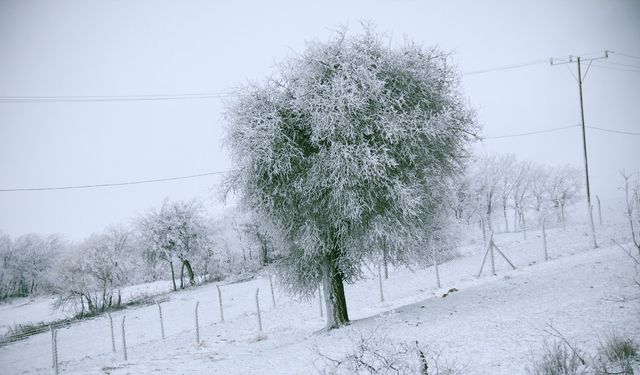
x=54 y=349
x=258 y=310
x=220 y=304
x=197 y=325
x=124 y=341
x=435 y=262
x=273 y=296
x=320 y=299
x=113 y=336
x=161 y=321
x=380 y=283
x=544 y=240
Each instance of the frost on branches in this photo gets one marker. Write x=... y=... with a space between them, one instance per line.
x=349 y=143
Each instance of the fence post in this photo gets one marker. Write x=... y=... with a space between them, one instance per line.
x=161 y=322
x=484 y=233
x=435 y=263
x=380 y=283
x=320 y=299
x=599 y=210
x=54 y=349
x=273 y=296
x=258 y=310
x=544 y=240
x=220 y=303
x=491 y=257
x=197 y=325
x=113 y=338
x=124 y=341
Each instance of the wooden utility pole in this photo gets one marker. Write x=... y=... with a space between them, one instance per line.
x=580 y=78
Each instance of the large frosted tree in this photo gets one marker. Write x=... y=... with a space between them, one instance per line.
x=349 y=142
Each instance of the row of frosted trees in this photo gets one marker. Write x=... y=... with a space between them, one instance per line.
x=501 y=190
x=177 y=241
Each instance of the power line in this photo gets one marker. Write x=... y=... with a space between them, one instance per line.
x=532 y=133
x=613 y=130
x=111 y=98
x=138 y=182
x=164 y=97
x=626 y=55
x=616 y=68
x=506 y=67
x=620 y=64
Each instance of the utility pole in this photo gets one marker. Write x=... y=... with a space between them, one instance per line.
x=580 y=78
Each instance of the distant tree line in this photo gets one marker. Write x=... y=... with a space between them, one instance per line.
x=177 y=241
x=499 y=189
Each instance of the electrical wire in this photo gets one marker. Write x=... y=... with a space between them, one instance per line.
x=612 y=130
x=138 y=182
x=532 y=133
x=506 y=67
x=113 y=184
x=625 y=55
x=607 y=62
x=164 y=97
x=597 y=65
x=111 y=98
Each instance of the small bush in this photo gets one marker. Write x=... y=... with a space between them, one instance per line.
x=374 y=354
x=557 y=359
x=618 y=348
x=615 y=355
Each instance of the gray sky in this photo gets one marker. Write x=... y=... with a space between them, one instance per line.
x=81 y=48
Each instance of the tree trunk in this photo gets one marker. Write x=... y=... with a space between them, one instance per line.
x=562 y=215
x=192 y=278
x=385 y=260
x=90 y=306
x=182 y=276
x=504 y=212
x=515 y=215
x=524 y=225
x=81 y=305
x=335 y=301
x=173 y=276
x=263 y=252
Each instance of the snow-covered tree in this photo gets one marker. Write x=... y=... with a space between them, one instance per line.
x=26 y=262
x=520 y=193
x=564 y=188
x=540 y=182
x=91 y=274
x=175 y=232
x=486 y=179
x=464 y=200
x=508 y=178
x=632 y=206
x=349 y=141
x=157 y=236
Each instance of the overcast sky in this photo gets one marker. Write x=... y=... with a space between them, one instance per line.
x=88 y=48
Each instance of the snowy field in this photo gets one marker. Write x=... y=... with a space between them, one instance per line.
x=491 y=325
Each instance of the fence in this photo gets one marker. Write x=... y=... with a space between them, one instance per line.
x=156 y=322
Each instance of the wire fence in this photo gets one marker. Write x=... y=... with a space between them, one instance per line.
x=192 y=320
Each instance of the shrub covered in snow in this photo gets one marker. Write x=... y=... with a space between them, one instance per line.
x=375 y=354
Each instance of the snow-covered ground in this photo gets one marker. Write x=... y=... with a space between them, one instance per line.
x=27 y=310
x=492 y=324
